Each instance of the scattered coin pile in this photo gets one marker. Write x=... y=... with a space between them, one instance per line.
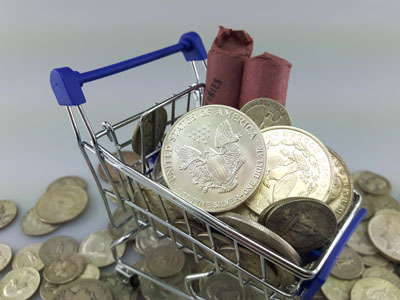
x=368 y=268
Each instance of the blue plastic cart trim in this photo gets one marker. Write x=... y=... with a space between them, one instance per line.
x=67 y=84
x=313 y=286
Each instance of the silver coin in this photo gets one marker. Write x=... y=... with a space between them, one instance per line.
x=156 y=174
x=47 y=290
x=61 y=204
x=361 y=242
x=164 y=261
x=28 y=257
x=120 y=215
x=84 y=289
x=147 y=239
x=90 y=272
x=68 y=181
x=8 y=212
x=5 y=256
x=31 y=225
x=214 y=157
x=65 y=268
x=118 y=289
x=96 y=248
x=56 y=246
x=19 y=284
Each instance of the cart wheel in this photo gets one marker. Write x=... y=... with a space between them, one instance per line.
x=135 y=282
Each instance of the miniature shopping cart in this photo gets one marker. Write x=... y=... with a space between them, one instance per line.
x=99 y=146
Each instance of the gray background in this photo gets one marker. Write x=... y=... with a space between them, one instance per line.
x=344 y=84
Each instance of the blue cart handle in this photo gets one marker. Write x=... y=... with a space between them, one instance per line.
x=67 y=83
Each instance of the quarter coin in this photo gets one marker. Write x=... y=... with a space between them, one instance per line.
x=96 y=247
x=164 y=261
x=83 y=287
x=28 y=257
x=90 y=272
x=214 y=157
x=298 y=165
x=64 y=268
x=384 y=231
x=383 y=273
x=385 y=201
x=120 y=215
x=373 y=183
x=5 y=256
x=360 y=241
x=56 y=246
x=349 y=265
x=61 y=204
x=19 y=284
x=33 y=226
x=337 y=289
x=366 y=287
x=47 y=290
x=147 y=239
x=8 y=212
x=118 y=289
x=68 y=181
x=375 y=260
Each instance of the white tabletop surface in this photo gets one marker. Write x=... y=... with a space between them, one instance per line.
x=344 y=85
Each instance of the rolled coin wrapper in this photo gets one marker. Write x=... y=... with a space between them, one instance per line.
x=265 y=76
x=226 y=58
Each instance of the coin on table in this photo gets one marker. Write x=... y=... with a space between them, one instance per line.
x=387 y=211
x=19 y=284
x=360 y=241
x=64 y=268
x=31 y=225
x=298 y=164
x=8 y=212
x=368 y=202
x=306 y=224
x=337 y=289
x=384 y=202
x=164 y=261
x=118 y=289
x=262 y=234
x=373 y=183
x=153 y=127
x=214 y=157
x=349 y=265
x=96 y=247
x=128 y=157
x=84 y=289
x=28 y=257
x=90 y=272
x=56 y=246
x=5 y=256
x=47 y=290
x=68 y=181
x=382 y=273
x=384 y=231
x=341 y=194
x=374 y=288
x=61 y=204
x=375 y=260
x=147 y=239
x=119 y=216
x=266 y=112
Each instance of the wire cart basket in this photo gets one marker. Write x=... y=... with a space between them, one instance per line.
x=99 y=146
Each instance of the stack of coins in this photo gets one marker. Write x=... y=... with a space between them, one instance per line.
x=369 y=266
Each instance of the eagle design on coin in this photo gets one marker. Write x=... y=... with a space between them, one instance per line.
x=215 y=168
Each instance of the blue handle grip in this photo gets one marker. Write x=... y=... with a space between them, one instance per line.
x=67 y=84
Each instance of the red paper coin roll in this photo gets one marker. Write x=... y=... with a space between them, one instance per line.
x=265 y=76
x=226 y=58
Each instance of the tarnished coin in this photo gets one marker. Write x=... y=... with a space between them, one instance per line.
x=151 y=291
x=214 y=157
x=387 y=211
x=298 y=165
x=19 y=284
x=306 y=224
x=128 y=157
x=164 y=261
x=157 y=172
x=341 y=194
x=147 y=239
x=153 y=127
x=195 y=229
x=33 y=226
x=96 y=247
x=118 y=289
x=8 y=212
x=385 y=201
x=56 y=246
x=48 y=290
x=84 y=289
x=5 y=255
x=64 y=268
x=120 y=215
x=384 y=231
x=349 y=265
x=373 y=183
x=90 y=272
x=28 y=257
x=382 y=273
x=337 y=289
x=368 y=203
x=374 y=288
x=221 y=286
x=361 y=242
x=246 y=212
x=61 y=204
x=266 y=112
x=68 y=181
x=375 y=260
x=262 y=234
